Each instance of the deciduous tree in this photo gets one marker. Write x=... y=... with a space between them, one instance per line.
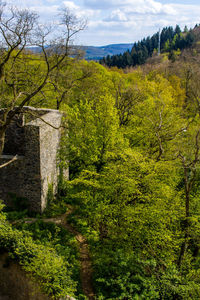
x=23 y=76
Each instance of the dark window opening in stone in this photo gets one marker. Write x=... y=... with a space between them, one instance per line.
x=14 y=140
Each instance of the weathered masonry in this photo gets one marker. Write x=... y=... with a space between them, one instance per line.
x=34 y=136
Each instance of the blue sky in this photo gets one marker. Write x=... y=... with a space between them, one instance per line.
x=118 y=21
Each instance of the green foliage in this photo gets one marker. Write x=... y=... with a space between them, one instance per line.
x=19 y=203
x=122 y=276
x=132 y=147
x=55 y=204
x=42 y=261
x=13 y=215
x=59 y=239
x=93 y=137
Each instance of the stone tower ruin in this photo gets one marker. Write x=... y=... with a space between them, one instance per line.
x=34 y=136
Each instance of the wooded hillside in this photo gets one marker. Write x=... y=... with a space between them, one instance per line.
x=132 y=143
x=168 y=40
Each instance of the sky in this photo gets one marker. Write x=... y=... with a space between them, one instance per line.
x=118 y=21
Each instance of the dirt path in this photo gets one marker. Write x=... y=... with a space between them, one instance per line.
x=86 y=266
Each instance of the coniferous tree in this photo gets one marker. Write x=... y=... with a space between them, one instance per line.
x=170 y=39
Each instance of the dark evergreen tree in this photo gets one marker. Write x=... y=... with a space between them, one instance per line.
x=177 y=29
x=170 y=40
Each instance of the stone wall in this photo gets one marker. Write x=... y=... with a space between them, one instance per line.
x=11 y=179
x=35 y=137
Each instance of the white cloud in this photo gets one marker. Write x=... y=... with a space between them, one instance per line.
x=117 y=16
x=151 y=7
x=132 y=20
x=51 y=1
x=23 y=3
x=45 y=10
x=71 y=5
x=79 y=11
x=118 y=21
x=137 y=6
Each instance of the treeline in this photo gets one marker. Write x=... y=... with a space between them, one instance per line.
x=170 y=39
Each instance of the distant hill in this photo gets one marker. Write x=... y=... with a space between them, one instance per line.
x=96 y=53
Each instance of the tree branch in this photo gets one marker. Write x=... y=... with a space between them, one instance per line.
x=9 y=162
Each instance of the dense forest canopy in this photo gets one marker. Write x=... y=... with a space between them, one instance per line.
x=168 y=40
x=132 y=143
x=133 y=147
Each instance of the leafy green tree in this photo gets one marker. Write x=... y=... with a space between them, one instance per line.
x=93 y=133
x=157 y=119
x=21 y=80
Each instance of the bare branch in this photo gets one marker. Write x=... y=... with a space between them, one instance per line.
x=9 y=162
x=19 y=85
x=38 y=117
